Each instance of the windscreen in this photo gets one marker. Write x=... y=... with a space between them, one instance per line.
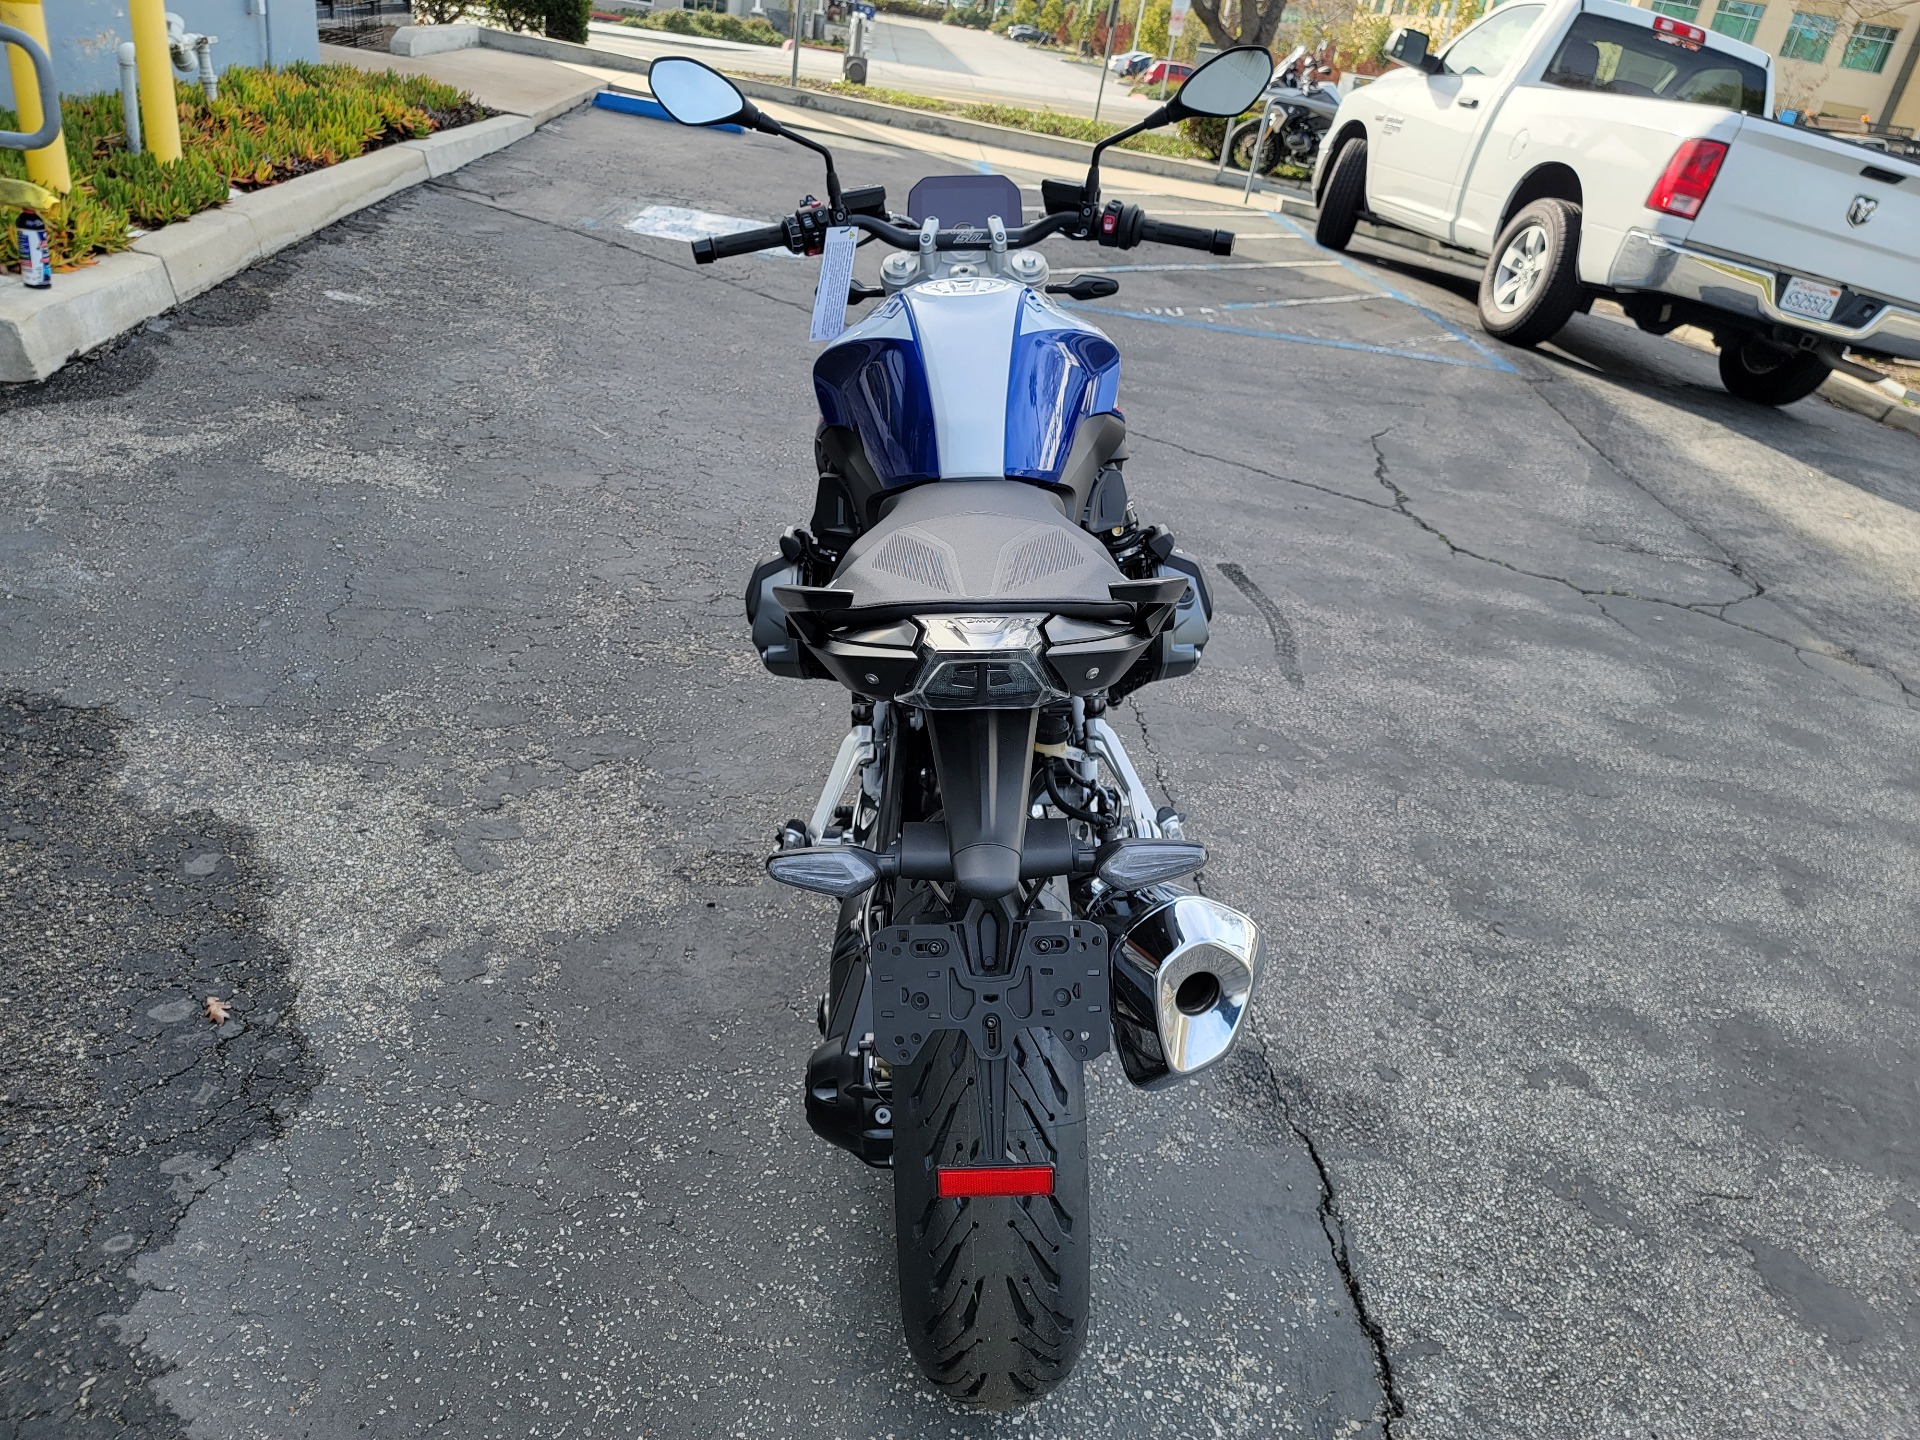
x=1626 y=59
x=959 y=201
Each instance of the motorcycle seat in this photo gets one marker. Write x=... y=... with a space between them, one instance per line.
x=997 y=544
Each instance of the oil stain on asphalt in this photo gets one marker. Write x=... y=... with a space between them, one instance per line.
x=121 y=1097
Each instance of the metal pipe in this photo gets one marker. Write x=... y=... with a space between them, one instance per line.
x=1106 y=61
x=159 y=110
x=130 y=96
x=209 y=82
x=38 y=105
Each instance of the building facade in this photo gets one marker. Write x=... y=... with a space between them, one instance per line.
x=85 y=37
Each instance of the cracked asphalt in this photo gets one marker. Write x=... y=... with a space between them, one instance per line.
x=370 y=631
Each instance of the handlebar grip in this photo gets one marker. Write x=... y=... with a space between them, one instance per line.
x=723 y=247
x=1214 y=242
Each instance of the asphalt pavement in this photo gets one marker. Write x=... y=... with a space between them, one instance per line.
x=373 y=638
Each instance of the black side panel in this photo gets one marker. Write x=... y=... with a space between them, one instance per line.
x=984 y=759
x=838 y=449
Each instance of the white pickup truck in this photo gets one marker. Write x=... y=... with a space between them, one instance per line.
x=1588 y=148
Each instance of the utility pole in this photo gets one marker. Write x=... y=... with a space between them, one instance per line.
x=1113 y=20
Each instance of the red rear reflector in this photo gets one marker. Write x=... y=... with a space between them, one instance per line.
x=963 y=1181
x=1667 y=25
x=1683 y=185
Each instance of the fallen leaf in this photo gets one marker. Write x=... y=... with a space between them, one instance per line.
x=217 y=1010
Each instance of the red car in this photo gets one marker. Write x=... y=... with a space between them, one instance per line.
x=1172 y=71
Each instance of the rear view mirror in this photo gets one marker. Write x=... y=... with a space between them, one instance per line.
x=695 y=95
x=1225 y=86
x=1409 y=48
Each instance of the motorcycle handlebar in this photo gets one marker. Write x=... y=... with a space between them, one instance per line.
x=745 y=242
x=1193 y=237
x=971 y=239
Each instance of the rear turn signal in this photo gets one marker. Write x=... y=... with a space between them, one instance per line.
x=959 y=1182
x=1682 y=187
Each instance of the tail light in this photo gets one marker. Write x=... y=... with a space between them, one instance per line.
x=1691 y=35
x=1682 y=187
x=969 y=1181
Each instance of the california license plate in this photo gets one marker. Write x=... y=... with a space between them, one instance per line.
x=1810 y=299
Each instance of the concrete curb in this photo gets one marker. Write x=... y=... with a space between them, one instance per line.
x=1864 y=399
x=41 y=330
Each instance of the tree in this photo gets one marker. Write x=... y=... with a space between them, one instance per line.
x=1052 y=16
x=1026 y=12
x=1153 y=27
x=1250 y=22
x=1799 y=77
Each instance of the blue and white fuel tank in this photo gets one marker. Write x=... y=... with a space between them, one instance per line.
x=967 y=378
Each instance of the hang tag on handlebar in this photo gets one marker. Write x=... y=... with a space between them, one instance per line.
x=836 y=273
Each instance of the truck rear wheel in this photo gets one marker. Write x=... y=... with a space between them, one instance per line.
x=1531 y=285
x=1768 y=375
x=1344 y=197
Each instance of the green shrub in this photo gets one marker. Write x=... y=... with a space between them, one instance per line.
x=711 y=24
x=567 y=20
x=973 y=17
x=267 y=125
x=439 y=12
x=918 y=9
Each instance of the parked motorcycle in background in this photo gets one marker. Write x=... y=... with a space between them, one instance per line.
x=1301 y=114
x=975 y=574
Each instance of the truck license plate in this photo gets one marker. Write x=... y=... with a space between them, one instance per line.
x=1804 y=297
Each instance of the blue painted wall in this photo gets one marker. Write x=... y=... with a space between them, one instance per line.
x=86 y=36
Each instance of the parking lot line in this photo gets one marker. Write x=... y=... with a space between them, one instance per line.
x=1319 y=340
x=1494 y=362
x=1227 y=265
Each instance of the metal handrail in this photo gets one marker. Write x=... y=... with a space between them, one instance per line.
x=49 y=130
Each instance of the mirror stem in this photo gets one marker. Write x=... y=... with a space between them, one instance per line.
x=1090 y=194
x=773 y=127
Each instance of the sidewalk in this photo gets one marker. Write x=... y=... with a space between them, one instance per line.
x=499 y=80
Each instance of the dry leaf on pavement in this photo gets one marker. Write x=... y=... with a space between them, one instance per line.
x=217 y=1010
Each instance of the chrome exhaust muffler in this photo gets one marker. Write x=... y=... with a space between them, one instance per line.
x=1183 y=971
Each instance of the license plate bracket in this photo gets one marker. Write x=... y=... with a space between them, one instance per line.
x=925 y=981
x=1810 y=299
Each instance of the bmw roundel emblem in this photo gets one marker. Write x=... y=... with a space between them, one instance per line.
x=1861 y=210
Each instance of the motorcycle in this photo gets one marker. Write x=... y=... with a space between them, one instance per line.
x=976 y=575
x=1301 y=114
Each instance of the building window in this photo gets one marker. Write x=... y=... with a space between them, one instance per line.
x=1738 y=19
x=1808 y=37
x=1868 y=48
x=1678 y=9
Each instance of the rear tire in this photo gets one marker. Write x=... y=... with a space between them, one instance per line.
x=993 y=1292
x=1344 y=197
x=1767 y=375
x=1531 y=285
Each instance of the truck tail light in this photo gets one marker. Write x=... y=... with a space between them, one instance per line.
x=1682 y=187
x=1679 y=29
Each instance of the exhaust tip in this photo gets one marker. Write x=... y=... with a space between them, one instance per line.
x=1182 y=978
x=1198 y=993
